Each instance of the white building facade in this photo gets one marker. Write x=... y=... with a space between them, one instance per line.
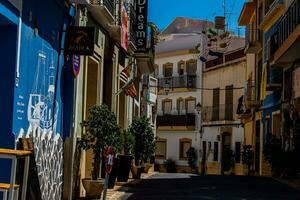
x=179 y=72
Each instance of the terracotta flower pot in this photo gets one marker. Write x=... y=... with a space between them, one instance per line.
x=93 y=188
x=136 y=171
x=147 y=167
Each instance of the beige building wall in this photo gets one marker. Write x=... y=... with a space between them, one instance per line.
x=235 y=75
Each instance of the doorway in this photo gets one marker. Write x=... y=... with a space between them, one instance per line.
x=226 y=151
x=92 y=91
x=203 y=166
x=257 y=146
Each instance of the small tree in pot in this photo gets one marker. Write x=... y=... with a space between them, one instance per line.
x=248 y=157
x=144 y=145
x=192 y=157
x=126 y=159
x=101 y=131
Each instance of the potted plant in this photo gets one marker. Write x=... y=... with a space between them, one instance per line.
x=248 y=157
x=126 y=159
x=192 y=158
x=144 y=145
x=101 y=131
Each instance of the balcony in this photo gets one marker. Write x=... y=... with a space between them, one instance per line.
x=253 y=45
x=225 y=112
x=275 y=79
x=287 y=42
x=188 y=120
x=250 y=95
x=102 y=10
x=176 y=83
x=273 y=10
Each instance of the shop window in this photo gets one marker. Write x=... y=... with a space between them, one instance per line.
x=185 y=144
x=167 y=106
x=216 y=151
x=161 y=149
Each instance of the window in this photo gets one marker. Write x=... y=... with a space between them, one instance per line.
x=181 y=68
x=216 y=151
x=237 y=152
x=167 y=106
x=229 y=102
x=160 y=148
x=216 y=104
x=168 y=70
x=190 y=105
x=180 y=106
x=185 y=144
x=191 y=67
x=276 y=125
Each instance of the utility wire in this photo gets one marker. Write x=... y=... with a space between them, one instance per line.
x=235 y=88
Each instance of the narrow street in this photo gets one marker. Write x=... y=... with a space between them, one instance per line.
x=185 y=186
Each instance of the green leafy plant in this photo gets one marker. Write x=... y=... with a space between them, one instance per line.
x=170 y=165
x=101 y=131
x=127 y=142
x=144 y=145
x=192 y=157
x=248 y=157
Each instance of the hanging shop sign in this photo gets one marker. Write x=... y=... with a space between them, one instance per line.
x=124 y=26
x=141 y=25
x=76 y=65
x=296 y=83
x=80 y=40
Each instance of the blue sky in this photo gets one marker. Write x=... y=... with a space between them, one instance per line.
x=162 y=12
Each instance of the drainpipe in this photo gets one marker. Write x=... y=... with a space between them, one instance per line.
x=18 y=47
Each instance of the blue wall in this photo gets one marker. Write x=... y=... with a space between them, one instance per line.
x=8 y=38
x=44 y=75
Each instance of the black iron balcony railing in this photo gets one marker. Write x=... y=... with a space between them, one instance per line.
x=133 y=21
x=176 y=120
x=219 y=113
x=287 y=24
x=183 y=81
x=109 y=4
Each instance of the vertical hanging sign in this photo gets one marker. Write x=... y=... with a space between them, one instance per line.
x=124 y=26
x=141 y=25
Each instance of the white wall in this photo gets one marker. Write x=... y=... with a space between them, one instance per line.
x=173 y=144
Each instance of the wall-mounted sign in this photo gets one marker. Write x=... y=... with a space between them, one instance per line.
x=76 y=65
x=296 y=83
x=141 y=25
x=80 y=40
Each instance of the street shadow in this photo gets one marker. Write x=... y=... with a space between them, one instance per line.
x=210 y=187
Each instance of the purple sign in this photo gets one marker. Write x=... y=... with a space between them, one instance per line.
x=76 y=65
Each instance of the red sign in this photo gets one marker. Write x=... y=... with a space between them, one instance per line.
x=109 y=159
x=76 y=65
x=124 y=26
